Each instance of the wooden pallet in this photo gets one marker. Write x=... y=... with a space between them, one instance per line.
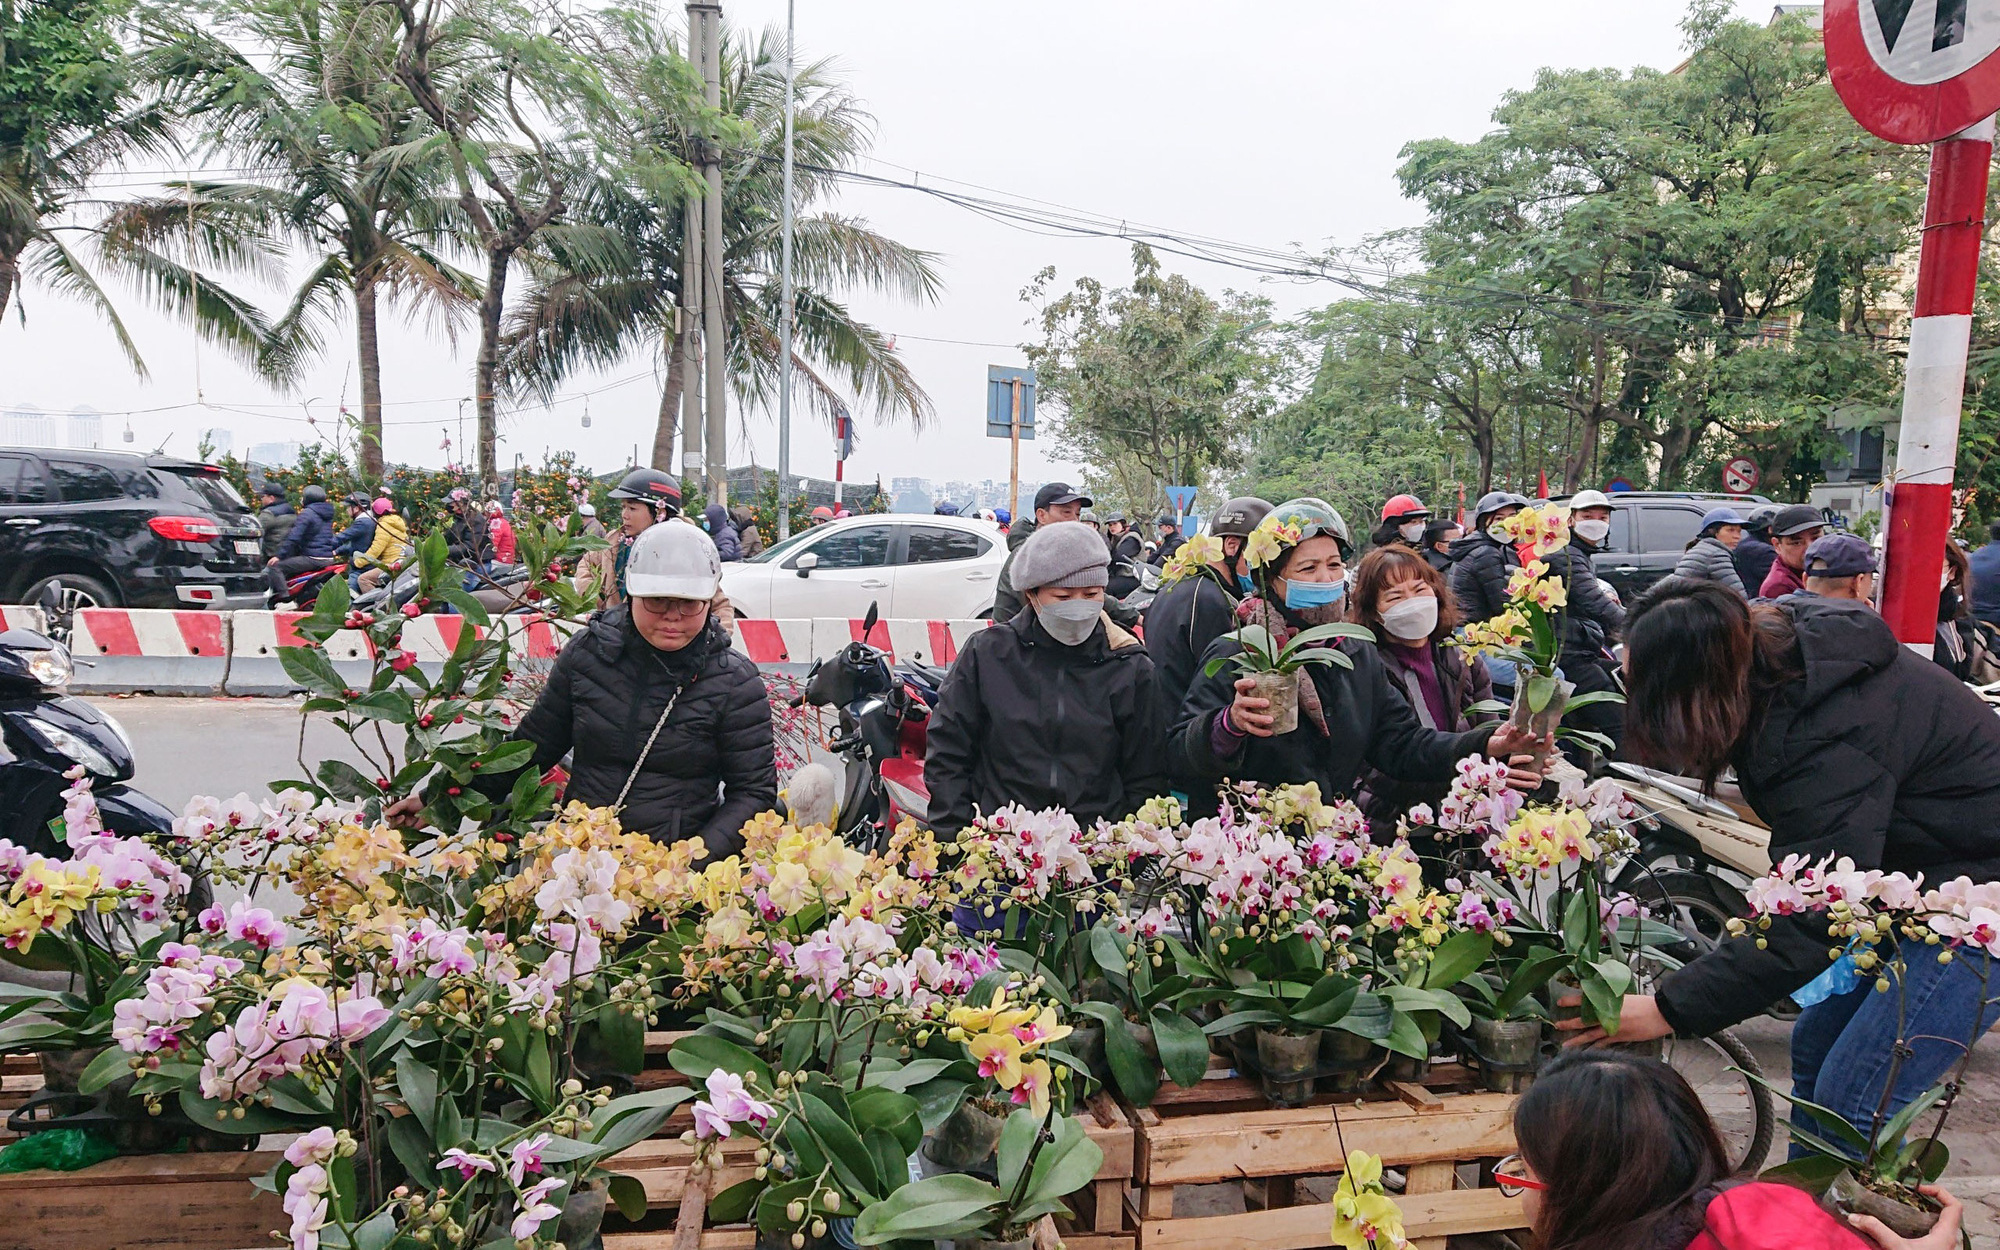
x=1223 y=1129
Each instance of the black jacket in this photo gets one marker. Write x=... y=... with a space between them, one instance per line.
x=1024 y=719
x=1753 y=558
x=1368 y=723
x=357 y=538
x=276 y=521
x=1593 y=620
x=1479 y=575
x=1440 y=561
x=1463 y=682
x=468 y=540
x=311 y=534
x=1186 y=617
x=711 y=768
x=1007 y=600
x=1874 y=754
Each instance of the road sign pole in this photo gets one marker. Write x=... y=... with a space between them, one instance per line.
x=1919 y=509
x=1014 y=454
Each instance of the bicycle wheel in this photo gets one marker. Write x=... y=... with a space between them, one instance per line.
x=1745 y=1113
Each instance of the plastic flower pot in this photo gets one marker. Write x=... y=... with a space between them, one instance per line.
x=1149 y=1046
x=62 y=1069
x=1509 y=1052
x=1349 y=1055
x=581 y=1226
x=966 y=1140
x=1544 y=722
x=1282 y=689
x=1287 y=1062
x=1905 y=1219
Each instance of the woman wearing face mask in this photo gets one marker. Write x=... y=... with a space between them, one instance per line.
x=1964 y=645
x=1404 y=519
x=1350 y=716
x=1057 y=707
x=1198 y=605
x=1399 y=596
x=1483 y=563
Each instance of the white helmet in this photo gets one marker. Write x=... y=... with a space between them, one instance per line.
x=587 y=509
x=1589 y=499
x=674 y=561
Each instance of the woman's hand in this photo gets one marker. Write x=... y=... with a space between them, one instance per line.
x=1250 y=714
x=1507 y=740
x=1523 y=775
x=1943 y=1235
x=1639 y=1020
x=404 y=813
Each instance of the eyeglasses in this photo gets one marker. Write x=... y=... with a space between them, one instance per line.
x=1508 y=1175
x=681 y=609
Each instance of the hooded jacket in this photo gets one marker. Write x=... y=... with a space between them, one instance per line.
x=311 y=534
x=1368 y=724
x=728 y=544
x=749 y=539
x=1709 y=561
x=276 y=520
x=357 y=538
x=1024 y=719
x=1480 y=570
x=392 y=541
x=1180 y=624
x=711 y=768
x=505 y=549
x=1007 y=601
x=1782 y=580
x=1874 y=754
x=1593 y=619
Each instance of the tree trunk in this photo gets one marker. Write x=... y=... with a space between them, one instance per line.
x=10 y=277
x=369 y=354
x=667 y=432
x=1584 y=453
x=486 y=371
x=1482 y=446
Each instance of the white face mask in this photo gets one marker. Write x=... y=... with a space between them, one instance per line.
x=1412 y=620
x=1070 y=621
x=1592 y=531
x=1412 y=533
x=1499 y=534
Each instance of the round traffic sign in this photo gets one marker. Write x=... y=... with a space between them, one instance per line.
x=1915 y=71
x=1740 y=476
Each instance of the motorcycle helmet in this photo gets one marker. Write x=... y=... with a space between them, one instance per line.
x=1003 y=516
x=1403 y=508
x=1588 y=499
x=1238 y=517
x=382 y=507
x=355 y=499
x=1492 y=501
x=674 y=562
x=1760 y=518
x=1315 y=517
x=822 y=513
x=314 y=494
x=653 y=487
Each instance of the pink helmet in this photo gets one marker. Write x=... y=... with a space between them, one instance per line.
x=382 y=507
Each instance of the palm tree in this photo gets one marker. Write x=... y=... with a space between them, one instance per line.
x=74 y=105
x=301 y=96
x=596 y=314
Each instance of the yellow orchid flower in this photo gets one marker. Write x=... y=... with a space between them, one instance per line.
x=1032 y=1086
x=1040 y=1031
x=999 y=1057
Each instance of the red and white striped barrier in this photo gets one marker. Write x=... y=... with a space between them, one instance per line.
x=132 y=649
x=256 y=638
x=22 y=616
x=792 y=645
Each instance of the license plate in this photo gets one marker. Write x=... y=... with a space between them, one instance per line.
x=247 y=547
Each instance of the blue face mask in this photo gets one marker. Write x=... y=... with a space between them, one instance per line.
x=1243 y=580
x=1313 y=594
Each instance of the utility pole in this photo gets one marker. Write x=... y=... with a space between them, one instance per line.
x=688 y=330
x=715 y=350
x=785 y=299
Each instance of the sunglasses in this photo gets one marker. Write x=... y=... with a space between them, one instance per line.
x=1508 y=1176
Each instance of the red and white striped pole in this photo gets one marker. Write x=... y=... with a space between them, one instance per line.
x=1919 y=505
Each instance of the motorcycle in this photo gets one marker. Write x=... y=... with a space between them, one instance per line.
x=883 y=711
x=302 y=591
x=44 y=731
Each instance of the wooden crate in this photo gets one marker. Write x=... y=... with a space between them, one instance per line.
x=1224 y=1130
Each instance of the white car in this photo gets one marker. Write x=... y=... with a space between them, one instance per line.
x=911 y=566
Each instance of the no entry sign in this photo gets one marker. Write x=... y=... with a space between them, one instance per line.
x=1740 y=476
x=1915 y=71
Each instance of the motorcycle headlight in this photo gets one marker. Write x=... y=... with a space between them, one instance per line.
x=65 y=743
x=51 y=667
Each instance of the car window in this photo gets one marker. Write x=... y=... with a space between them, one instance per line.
x=21 y=481
x=863 y=547
x=779 y=550
x=930 y=544
x=1669 y=527
x=79 y=481
x=211 y=489
x=1620 y=538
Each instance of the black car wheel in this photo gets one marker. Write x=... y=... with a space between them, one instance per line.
x=91 y=593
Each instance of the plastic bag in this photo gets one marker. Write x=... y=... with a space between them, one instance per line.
x=1842 y=977
x=58 y=1150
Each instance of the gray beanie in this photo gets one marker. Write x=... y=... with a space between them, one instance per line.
x=1067 y=553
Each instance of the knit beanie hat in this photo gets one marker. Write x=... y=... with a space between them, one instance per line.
x=1067 y=553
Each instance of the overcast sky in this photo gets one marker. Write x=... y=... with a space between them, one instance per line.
x=1267 y=122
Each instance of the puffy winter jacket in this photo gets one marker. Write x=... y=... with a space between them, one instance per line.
x=392 y=541
x=1709 y=561
x=1007 y=600
x=1480 y=571
x=1368 y=724
x=711 y=768
x=1874 y=754
x=1593 y=618
x=357 y=538
x=1463 y=683
x=749 y=538
x=1753 y=558
x=727 y=545
x=502 y=532
x=1183 y=620
x=467 y=539
x=1024 y=719
x=276 y=520
x=311 y=534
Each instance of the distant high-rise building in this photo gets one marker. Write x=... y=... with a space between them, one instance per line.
x=910 y=494
x=86 y=427
x=275 y=455
x=220 y=442
x=29 y=426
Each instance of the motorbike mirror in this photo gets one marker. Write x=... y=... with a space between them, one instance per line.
x=806 y=563
x=50 y=600
x=868 y=624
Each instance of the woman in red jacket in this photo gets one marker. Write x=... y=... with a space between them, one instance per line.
x=1617 y=1153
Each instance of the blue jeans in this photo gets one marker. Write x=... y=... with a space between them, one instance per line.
x=1842 y=1047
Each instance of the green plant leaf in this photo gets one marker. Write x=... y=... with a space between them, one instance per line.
x=1135 y=1075
x=628 y=1195
x=1540 y=691
x=852 y=1163
x=903 y=1079
x=1408 y=998
x=1813 y=1173
x=309 y=667
x=1370 y=1017
x=623 y=1034
x=1889 y=1138
x=1529 y=975
x=1456 y=958
x=699 y=1054
x=772 y=1202
x=344 y=781
x=1107 y=951
x=419 y=1086
x=1017 y=1142
x=731 y=1206
x=931 y=1209
x=1926 y=1158
x=1065 y=1165
x=1830 y=1120
x=468 y=607
x=1406 y=1037
x=895 y=1113
x=110 y=1066
x=1183 y=1047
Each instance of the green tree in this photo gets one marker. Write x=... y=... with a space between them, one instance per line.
x=597 y=310
x=1155 y=384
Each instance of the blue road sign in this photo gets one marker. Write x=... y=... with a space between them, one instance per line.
x=1181 y=499
x=1000 y=381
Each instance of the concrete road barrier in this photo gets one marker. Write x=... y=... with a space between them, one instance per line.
x=120 y=650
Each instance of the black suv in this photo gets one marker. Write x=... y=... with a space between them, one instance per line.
x=125 y=530
x=1650 y=532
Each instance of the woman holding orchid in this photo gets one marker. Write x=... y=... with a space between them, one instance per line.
x=1853 y=749
x=1350 y=715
